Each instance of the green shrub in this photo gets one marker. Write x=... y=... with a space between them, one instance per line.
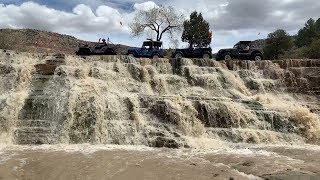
x=277 y=44
x=295 y=53
x=313 y=52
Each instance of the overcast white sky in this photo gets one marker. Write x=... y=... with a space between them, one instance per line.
x=230 y=20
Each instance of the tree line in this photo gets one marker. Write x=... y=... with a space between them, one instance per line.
x=306 y=44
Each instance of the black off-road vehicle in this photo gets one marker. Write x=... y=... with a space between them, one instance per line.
x=100 y=48
x=246 y=50
x=197 y=52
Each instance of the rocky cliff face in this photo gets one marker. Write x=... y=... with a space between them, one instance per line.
x=165 y=103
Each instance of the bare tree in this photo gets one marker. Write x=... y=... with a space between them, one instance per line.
x=159 y=20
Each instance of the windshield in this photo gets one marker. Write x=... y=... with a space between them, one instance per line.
x=147 y=45
x=236 y=46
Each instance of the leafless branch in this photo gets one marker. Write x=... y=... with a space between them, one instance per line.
x=158 y=19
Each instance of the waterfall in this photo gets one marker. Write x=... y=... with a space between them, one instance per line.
x=52 y=99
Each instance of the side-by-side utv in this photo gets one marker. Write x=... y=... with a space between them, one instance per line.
x=100 y=48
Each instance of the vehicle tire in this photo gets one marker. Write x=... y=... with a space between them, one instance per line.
x=206 y=55
x=131 y=55
x=178 y=55
x=257 y=57
x=155 y=56
x=227 y=57
x=109 y=52
x=84 y=52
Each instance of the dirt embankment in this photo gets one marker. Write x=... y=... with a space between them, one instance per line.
x=31 y=40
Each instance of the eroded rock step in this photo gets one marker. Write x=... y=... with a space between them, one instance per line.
x=34 y=132
x=33 y=138
x=35 y=125
x=238 y=135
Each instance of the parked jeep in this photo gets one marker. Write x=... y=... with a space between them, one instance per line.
x=246 y=50
x=149 y=49
x=100 y=48
x=191 y=52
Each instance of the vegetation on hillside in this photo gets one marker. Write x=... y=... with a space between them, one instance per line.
x=309 y=33
x=306 y=44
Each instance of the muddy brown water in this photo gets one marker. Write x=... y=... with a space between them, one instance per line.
x=132 y=162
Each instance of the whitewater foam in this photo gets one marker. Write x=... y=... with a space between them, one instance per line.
x=169 y=103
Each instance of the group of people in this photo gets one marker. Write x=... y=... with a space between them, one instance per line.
x=245 y=47
x=103 y=41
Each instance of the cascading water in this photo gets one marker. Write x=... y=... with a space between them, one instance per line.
x=165 y=103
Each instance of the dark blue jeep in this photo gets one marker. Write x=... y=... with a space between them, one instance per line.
x=191 y=52
x=149 y=49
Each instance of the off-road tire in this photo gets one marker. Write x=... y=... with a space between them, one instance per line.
x=155 y=56
x=84 y=52
x=109 y=52
x=227 y=56
x=131 y=55
x=257 y=57
x=178 y=55
x=206 y=55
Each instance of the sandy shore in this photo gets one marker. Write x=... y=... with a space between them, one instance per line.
x=131 y=162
